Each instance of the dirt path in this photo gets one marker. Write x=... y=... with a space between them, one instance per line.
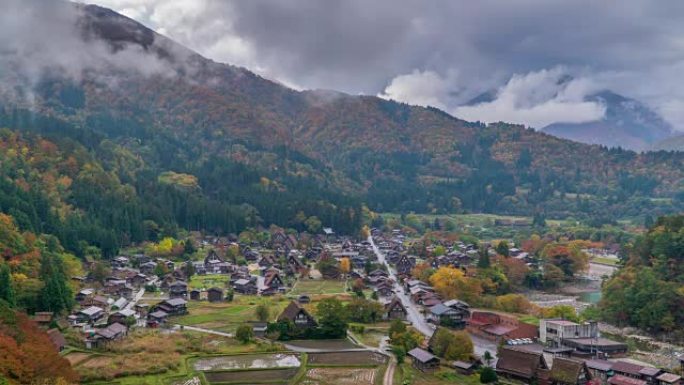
x=389 y=373
x=201 y=330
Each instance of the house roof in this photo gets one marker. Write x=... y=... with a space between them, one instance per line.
x=422 y=355
x=455 y=303
x=120 y=303
x=176 y=301
x=561 y=322
x=669 y=378
x=112 y=330
x=622 y=380
x=57 y=338
x=650 y=371
x=216 y=289
x=91 y=310
x=291 y=311
x=519 y=362
x=126 y=312
x=439 y=309
x=43 y=316
x=566 y=370
x=394 y=302
x=601 y=365
x=627 y=367
x=159 y=314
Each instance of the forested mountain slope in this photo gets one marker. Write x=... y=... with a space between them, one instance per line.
x=188 y=142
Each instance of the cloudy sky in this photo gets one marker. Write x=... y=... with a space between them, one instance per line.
x=446 y=52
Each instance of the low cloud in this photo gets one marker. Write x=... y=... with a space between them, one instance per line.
x=538 y=99
x=423 y=88
x=39 y=37
x=381 y=47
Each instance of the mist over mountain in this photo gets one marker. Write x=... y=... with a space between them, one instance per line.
x=627 y=123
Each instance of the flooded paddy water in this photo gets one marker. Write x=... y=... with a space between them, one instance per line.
x=249 y=361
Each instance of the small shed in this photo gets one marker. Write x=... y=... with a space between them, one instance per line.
x=423 y=360
x=57 y=339
x=304 y=299
x=259 y=329
x=215 y=294
x=195 y=295
x=466 y=367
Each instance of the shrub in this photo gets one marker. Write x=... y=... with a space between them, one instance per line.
x=488 y=375
x=244 y=333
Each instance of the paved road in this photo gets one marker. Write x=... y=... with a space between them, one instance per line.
x=480 y=345
x=414 y=315
x=135 y=299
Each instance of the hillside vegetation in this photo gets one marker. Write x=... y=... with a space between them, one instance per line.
x=209 y=146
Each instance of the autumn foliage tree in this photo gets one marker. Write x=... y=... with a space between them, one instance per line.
x=451 y=283
x=27 y=355
x=345 y=265
x=568 y=257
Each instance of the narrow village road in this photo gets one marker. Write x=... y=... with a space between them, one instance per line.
x=389 y=373
x=480 y=345
x=417 y=320
x=135 y=299
x=201 y=330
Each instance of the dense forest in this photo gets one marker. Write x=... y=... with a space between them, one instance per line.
x=649 y=291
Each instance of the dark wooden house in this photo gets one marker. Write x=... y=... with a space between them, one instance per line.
x=423 y=360
x=298 y=316
x=215 y=294
x=521 y=365
x=394 y=309
x=568 y=371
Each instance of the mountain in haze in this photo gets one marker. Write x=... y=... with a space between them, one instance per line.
x=627 y=123
x=673 y=143
x=152 y=137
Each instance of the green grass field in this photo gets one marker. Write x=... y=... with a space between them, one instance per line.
x=406 y=374
x=605 y=261
x=227 y=316
x=209 y=280
x=313 y=287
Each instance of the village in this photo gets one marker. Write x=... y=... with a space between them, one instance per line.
x=218 y=294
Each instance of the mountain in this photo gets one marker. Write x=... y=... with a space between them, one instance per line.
x=154 y=137
x=674 y=143
x=627 y=123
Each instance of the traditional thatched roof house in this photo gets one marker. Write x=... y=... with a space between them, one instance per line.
x=394 y=309
x=568 y=371
x=57 y=339
x=520 y=364
x=298 y=316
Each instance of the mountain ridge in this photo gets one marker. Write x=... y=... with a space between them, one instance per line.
x=204 y=119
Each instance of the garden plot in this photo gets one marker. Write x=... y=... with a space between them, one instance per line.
x=251 y=376
x=347 y=358
x=250 y=361
x=339 y=376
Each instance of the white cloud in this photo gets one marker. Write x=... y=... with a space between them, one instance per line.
x=357 y=46
x=423 y=88
x=538 y=99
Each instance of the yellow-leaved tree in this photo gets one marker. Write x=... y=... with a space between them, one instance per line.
x=451 y=283
x=345 y=265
